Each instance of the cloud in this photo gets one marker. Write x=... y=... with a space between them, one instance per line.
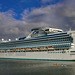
x=45 y=16
x=11 y=27
x=60 y=15
x=67 y=12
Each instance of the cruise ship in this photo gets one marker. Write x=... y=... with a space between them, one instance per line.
x=43 y=43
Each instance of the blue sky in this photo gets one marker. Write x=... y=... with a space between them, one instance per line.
x=18 y=6
x=18 y=17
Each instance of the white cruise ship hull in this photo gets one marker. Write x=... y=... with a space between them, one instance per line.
x=48 y=56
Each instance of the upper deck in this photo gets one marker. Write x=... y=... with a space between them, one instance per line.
x=43 y=31
x=41 y=37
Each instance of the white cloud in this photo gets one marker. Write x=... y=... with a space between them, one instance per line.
x=61 y=15
x=45 y=16
x=9 y=26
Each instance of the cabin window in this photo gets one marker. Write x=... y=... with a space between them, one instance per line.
x=35 y=32
x=59 y=31
x=47 y=30
x=72 y=51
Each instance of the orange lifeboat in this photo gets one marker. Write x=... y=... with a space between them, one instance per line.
x=50 y=47
x=22 y=49
x=1 y=50
x=14 y=49
x=28 y=48
x=42 y=48
x=18 y=49
x=34 y=48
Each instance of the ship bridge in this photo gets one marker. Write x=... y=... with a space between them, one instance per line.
x=42 y=31
x=47 y=29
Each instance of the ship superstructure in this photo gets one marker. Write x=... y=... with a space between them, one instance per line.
x=42 y=43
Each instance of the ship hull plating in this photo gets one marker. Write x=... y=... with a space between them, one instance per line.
x=46 y=56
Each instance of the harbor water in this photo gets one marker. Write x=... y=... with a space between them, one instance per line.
x=28 y=67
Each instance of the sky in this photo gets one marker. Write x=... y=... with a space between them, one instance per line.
x=18 y=17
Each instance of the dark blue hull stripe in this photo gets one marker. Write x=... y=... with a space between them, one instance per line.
x=38 y=59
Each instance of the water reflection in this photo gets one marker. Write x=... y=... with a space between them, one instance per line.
x=23 y=67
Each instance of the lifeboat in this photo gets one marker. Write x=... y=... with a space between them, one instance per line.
x=28 y=48
x=43 y=48
x=34 y=48
x=22 y=49
x=14 y=49
x=50 y=47
x=1 y=50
